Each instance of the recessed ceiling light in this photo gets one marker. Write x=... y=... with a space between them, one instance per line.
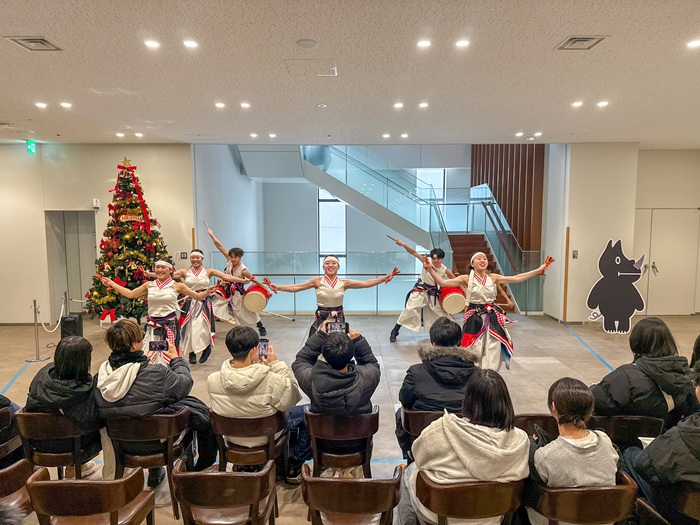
x=423 y=43
x=41 y=105
x=531 y=139
x=423 y=105
x=398 y=105
x=253 y=135
x=386 y=135
x=190 y=43
x=245 y=105
x=272 y=135
x=152 y=43
x=120 y=135
x=220 y=105
x=66 y=105
x=538 y=134
x=322 y=106
x=519 y=134
x=602 y=103
x=462 y=43
x=693 y=44
x=306 y=43
x=577 y=104
x=139 y=135
x=404 y=135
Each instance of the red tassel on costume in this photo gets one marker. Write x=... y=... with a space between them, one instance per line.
x=468 y=340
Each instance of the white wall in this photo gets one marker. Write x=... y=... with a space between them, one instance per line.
x=427 y=156
x=291 y=217
x=68 y=177
x=602 y=189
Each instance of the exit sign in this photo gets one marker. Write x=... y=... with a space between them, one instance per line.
x=31 y=147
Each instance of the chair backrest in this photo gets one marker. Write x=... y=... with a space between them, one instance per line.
x=546 y=422
x=40 y=425
x=351 y=496
x=14 y=477
x=415 y=421
x=685 y=497
x=151 y=428
x=250 y=427
x=223 y=490
x=342 y=428
x=472 y=500
x=15 y=442
x=81 y=497
x=584 y=504
x=624 y=431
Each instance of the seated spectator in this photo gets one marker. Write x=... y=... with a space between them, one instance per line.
x=439 y=381
x=481 y=446
x=128 y=386
x=656 y=384
x=672 y=458
x=696 y=352
x=65 y=387
x=9 y=433
x=578 y=457
x=250 y=386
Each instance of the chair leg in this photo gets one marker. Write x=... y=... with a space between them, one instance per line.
x=277 y=510
x=150 y=516
x=60 y=472
x=119 y=470
x=78 y=470
x=169 y=472
x=367 y=469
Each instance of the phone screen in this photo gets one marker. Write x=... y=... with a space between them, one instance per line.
x=262 y=348
x=158 y=346
x=336 y=327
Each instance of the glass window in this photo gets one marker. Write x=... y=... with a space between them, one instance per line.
x=434 y=177
x=331 y=227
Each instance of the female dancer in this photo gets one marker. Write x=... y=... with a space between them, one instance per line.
x=162 y=306
x=424 y=299
x=484 y=322
x=197 y=325
x=329 y=290
x=226 y=296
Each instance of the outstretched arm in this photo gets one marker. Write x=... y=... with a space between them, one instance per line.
x=311 y=283
x=189 y=292
x=409 y=249
x=517 y=278
x=122 y=290
x=217 y=242
x=246 y=273
x=461 y=280
x=368 y=283
x=212 y=272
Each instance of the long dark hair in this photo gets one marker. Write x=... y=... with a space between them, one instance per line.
x=73 y=358
x=487 y=401
x=573 y=400
x=651 y=337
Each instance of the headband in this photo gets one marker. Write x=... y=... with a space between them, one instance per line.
x=163 y=263
x=474 y=256
x=332 y=258
x=195 y=252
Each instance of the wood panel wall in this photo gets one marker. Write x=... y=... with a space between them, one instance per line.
x=515 y=174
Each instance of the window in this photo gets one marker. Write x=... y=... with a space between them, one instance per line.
x=434 y=177
x=331 y=227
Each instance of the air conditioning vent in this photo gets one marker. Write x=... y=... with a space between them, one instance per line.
x=33 y=43
x=580 y=43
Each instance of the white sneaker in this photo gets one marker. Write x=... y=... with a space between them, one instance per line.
x=85 y=470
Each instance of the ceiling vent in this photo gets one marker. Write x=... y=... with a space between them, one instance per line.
x=580 y=43
x=33 y=43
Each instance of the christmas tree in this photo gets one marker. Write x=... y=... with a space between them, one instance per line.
x=129 y=243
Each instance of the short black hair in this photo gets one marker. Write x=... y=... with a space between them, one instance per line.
x=338 y=349
x=651 y=337
x=73 y=358
x=487 y=401
x=695 y=358
x=445 y=332
x=437 y=252
x=236 y=252
x=240 y=340
x=573 y=400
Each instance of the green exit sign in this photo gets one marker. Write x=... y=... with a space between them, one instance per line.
x=31 y=147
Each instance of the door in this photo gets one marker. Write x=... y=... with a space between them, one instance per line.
x=642 y=245
x=673 y=262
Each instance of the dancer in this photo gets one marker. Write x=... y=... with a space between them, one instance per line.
x=162 y=306
x=232 y=296
x=424 y=299
x=484 y=325
x=329 y=290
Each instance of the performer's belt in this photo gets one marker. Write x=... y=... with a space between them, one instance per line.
x=431 y=289
x=164 y=324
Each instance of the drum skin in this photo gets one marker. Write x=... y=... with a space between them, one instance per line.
x=452 y=299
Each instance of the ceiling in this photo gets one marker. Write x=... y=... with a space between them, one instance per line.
x=510 y=78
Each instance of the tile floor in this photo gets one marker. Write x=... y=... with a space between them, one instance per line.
x=544 y=351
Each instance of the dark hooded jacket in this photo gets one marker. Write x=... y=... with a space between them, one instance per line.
x=332 y=391
x=440 y=380
x=637 y=389
x=68 y=397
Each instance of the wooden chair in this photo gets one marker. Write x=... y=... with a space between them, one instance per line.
x=13 y=485
x=166 y=437
x=265 y=427
x=9 y=449
x=414 y=421
x=63 y=501
x=36 y=426
x=212 y=497
x=350 y=501
x=584 y=504
x=647 y=514
x=684 y=498
x=624 y=431
x=359 y=427
x=472 y=500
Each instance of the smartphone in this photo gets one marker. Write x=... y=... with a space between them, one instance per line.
x=158 y=346
x=262 y=347
x=335 y=327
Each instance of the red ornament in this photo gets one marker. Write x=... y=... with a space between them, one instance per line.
x=110 y=254
x=139 y=242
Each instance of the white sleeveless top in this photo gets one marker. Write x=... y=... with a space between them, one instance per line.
x=427 y=278
x=480 y=291
x=237 y=271
x=197 y=281
x=162 y=298
x=329 y=293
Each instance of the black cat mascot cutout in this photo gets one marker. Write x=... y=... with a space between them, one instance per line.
x=614 y=297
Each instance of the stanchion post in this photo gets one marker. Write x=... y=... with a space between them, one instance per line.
x=37 y=357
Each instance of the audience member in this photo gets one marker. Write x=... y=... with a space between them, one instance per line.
x=578 y=457
x=657 y=383
x=696 y=352
x=439 y=381
x=252 y=385
x=65 y=387
x=10 y=515
x=128 y=386
x=670 y=459
x=9 y=433
x=481 y=446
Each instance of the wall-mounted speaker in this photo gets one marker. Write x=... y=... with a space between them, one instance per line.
x=71 y=325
